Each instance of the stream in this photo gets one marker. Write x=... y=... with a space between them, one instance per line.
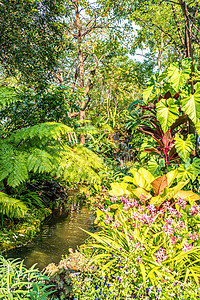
x=57 y=235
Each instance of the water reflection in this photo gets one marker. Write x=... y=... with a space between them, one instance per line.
x=57 y=236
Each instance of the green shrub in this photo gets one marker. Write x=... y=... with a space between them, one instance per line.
x=18 y=282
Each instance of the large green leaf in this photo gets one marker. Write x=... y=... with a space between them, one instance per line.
x=167 y=113
x=185 y=172
x=184 y=148
x=167 y=194
x=142 y=178
x=191 y=104
x=171 y=176
x=177 y=76
x=196 y=166
x=147 y=93
x=119 y=189
x=198 y=127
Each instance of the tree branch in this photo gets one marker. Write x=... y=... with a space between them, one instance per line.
x=195 y=9
x=166 y=33
x=179 y=29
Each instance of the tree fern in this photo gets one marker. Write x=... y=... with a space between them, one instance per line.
x=40 y=161
x=80 y=165
x=44 y=148
x=12 y=207
x=50 y=130
x=13 y=165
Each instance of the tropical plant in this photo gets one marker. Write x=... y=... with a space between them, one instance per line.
x=154 y=190
x=139 y=250
x=172 y=102
x=18 y=282
x=43 y=149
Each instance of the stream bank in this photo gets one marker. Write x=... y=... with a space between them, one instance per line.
x=57 y=235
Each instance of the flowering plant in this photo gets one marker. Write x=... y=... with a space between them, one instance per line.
x=162 y=244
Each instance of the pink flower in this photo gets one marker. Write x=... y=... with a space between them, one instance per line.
x=131 y=237
x=143 y=197
x=173 y=211
x=174 y=239
x=141 y=209
x=133 y=202
x=194 y=210
x=186 y=247
x=180 y=224
x=152 y=208
x=106 y=210
x=139 y=260
x=168 y=229
x=193 y=235
x=166 y=204
x=113 y=199
x=139 y=247
x=170 y=221
x=181 y=202
x=160 y=255
x=108 y=220
x=116 y=224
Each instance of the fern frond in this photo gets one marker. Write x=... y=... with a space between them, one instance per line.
x=43 y=149
x=8 y=95
x=40 y=161
x=13 y=165
x=49 y=130
x=12 y=207
x=80 y=165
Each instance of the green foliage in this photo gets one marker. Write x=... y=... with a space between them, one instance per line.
x=26 y=29
x=11 y=207
x=178 y=77
x=25 y=107
x=43 y=149
x=184 y=148
x=79 y=165
x=191 y=104
x=167 y=113
x=61 y=275
x=137 y=255
x=156 y=190
x=18 y=282
x=50 y=130
x=176 y=105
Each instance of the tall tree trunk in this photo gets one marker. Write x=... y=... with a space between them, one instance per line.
x=188 y=38
x=160 y=52
x=80 y=66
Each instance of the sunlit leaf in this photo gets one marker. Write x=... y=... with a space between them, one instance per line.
x=167 y=113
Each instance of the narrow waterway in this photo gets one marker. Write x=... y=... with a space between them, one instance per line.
x=57 y=235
